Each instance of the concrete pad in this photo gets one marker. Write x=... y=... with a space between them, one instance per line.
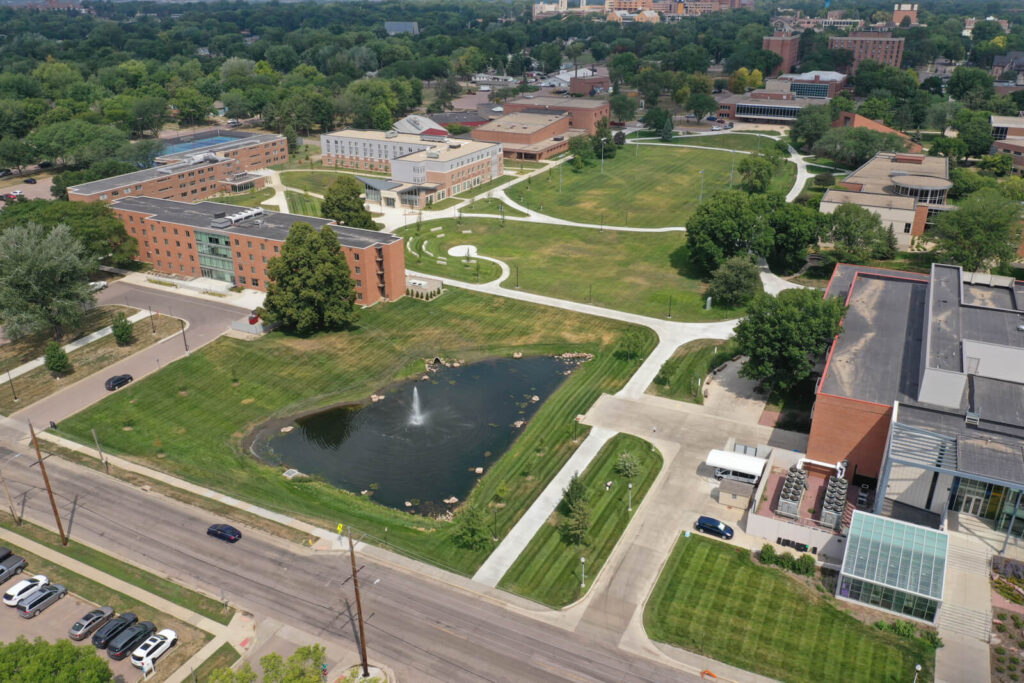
x=962 y=660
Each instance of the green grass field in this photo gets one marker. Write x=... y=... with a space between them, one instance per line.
x=681 y=374
x=309 y=181
x=251 y=199
x=643 y=186
x=715 y=599
x=443 y=204
x=484 y=188
x=744 y=142
x=190 y=418
x=492 y=206
x=548 y=570
x=629 y=271
x=302 y=204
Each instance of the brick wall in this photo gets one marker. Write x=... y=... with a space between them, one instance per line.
x=847 y=429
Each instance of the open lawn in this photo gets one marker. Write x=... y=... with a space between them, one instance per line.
x=629 y=271
x=484 y=188
x=309 y=181
x=33 y=346
x=252 y=199
x=713 y=598
x=306 y=156
x=492 y=206
x=681 y=375
x=744 y=142
x=223 y=657
x=302 y=204
x=548 y=570
x=443 y=204
x=191 y=417
x=643 y=186
x=91 y=358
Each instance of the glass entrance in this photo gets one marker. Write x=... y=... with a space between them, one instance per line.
x=972 y=505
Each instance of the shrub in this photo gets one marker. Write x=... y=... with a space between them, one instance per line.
x=471 y=528
x=824 y=180
x=627 y=466
x=1000 y=650
x=1001 y=628
x=123 y=330
x=1018 y=621
x=786 y=561
x=56 y=359
x=767 y=554
x=904 y=629
x=805 y=565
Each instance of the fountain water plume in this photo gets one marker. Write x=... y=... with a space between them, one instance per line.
x=416 y=418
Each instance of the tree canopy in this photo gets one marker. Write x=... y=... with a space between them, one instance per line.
x=302 y=666
x=343 y=203
x=735 y=282
x=853 y=146
x=983 y=232
x=858 y=234
x=93 y=224
x=61 y=662
x=810 y=125
x=310 y=288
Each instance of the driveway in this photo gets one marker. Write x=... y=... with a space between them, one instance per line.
x=205 y=321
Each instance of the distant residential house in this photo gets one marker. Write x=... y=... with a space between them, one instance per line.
x=415 y=124
x=219 y=108
x=394 y=28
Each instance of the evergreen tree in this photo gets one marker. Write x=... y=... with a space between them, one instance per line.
x=56 y=359
x=667 y=131
x=123 y=330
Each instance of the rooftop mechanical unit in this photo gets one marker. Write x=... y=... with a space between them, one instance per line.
x=793 y=488
x=834 y=505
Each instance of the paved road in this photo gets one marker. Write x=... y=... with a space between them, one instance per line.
x=205 y=321
x=425 y=629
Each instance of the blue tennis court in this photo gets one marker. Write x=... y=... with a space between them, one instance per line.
x=196 y=144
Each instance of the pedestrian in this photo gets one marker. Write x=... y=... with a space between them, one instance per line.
x=654 y=429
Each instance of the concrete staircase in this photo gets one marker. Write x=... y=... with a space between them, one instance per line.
x=972 y=623
x=970 y=561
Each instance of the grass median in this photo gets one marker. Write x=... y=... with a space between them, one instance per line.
x=224 y=656
x=548 y=570
x=492 y=206
x=15 y=353
x=252 y=199
x=682 y=374
x=190 y=418
x=644 y=273
x=714 y=599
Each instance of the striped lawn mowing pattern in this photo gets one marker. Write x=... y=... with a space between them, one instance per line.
x=191 y=417
x=303 y=204
x=548 y=570
x=714 y=598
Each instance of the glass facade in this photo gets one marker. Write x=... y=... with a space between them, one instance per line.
x=1003 y=506
x=916 y=606
x=768 y=111
x=215 y=256
x=809 y=89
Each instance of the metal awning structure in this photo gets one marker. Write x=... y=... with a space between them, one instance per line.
x=736 y=462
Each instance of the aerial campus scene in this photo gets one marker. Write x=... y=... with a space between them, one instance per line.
x=480 y=340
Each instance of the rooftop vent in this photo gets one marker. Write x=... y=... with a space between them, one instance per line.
x=391 y=134
x=219 y=214
x=220 y=223
x=972 y=419
x=433 y=154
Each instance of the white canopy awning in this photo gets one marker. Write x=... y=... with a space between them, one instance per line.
x=737 y=462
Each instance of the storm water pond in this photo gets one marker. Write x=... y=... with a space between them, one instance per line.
x=423 y=442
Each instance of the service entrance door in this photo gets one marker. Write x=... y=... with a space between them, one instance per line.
x=972 y=505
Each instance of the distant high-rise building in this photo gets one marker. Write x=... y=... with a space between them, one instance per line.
x=787 y=46
x=879 y=46
x=902 y=10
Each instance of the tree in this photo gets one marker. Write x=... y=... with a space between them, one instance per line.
x=783 y=336
x=574 y=493
x=27 y=662
x=471 y=528
x=101 y=169
x=1013 y=188
x=858 y=234
x=667 y=130
x=735 y=282
x=193 y=106
x=967 y=182
x=582 y=150
x=810 y=124
x=627 y=465
x=93 y=224
x=655 y=119
x=44 y=280
x=575 y=510
x=953 y=149
x=982 y=233
x=975 y=130
x=968 y=82
x=123 y=329
x=447 y=90
x=573 y=51
x=996 y=164
x=56 y=359
x=343 y=203
x=701 y=104
x=730 y=223
x=755 y=173
x=141 y=154
x=303 y=666
x=16 y=152
x=310 y=289
x=623 y=106
x=796 y=227
x=853 y=146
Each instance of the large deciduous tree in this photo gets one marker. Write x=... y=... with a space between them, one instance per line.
x=93 y=224
x=27 y=662
x=982 y=233
x=735 y=282
x=623 y=106
x=858 y=234
x=783 y=336
x=731 y=222
x=810 y=124
x=701 y=104
x=343 y=203
x=310 y=288
x=755 y=173
x=44 y=280
x=853 y=146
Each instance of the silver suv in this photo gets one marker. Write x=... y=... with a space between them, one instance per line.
x=11 y=566
x=40 y=600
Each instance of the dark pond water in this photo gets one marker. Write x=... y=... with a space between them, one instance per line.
x=423 y=442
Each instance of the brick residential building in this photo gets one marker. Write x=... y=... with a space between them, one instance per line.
x=904 y=10
x=529 y=136
x=1008 y=132
x=584 y=113
x=234 y=243
x=881 y=47
x=787 y=46
x=589 y=85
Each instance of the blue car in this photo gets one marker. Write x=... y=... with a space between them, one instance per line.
x=710 y=525
x=225 y=532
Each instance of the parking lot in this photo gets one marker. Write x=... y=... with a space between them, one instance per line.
x=53 y=624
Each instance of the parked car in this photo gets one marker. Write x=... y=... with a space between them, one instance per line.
x=11 y=566
x=4 y=553
x=97 y=285
x=112 y=628
x=23 y=589
x=45 y=164
x=712 y=118
x=716 y=128
x=31 y=181
x=90 y=622
x=129 y=639
x=721 y=474
x=4 y=172
x=710 y=525
x=154 y=647
x=17 y=193
x=225 y=532
x=118 y=381
x=44 y=597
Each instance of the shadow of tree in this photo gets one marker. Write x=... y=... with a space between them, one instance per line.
x=679 y=259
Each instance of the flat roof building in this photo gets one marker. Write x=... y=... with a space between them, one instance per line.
x=777 y=102
x=1008 y=132
x=881 y=47
x=525 y=135
x=584 y=113
x=819 y=84
x=234 y=243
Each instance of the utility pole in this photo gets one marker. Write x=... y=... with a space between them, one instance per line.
x=46 y=480
x=183 y=336
x=359 y=605
x=106 y=465
x=11 y=382
x=152 y=320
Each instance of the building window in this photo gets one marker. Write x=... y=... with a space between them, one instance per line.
x=241 y=280
x=255 y=282
x=906 y=228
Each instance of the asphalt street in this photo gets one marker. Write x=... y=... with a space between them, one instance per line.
x=421 y=627
x=206 y=320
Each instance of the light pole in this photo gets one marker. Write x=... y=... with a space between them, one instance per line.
x=629 y=506
x=10 y=381
x=583 y=569
x=732 y=166
x=183 y=339
x=701 y=200
x=917 y=671
x=603 y=140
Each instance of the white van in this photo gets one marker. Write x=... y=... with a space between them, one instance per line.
x=721 y=474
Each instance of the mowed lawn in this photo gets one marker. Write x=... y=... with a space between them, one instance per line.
x=714 y=598
x=302 y=204
x=744 y=142
x=548 y=571
x=191 y=417
x=681 y=375
x=492 y=206
x=649 y=187
x=312 y=181
x=637 y=272
x=253 y=199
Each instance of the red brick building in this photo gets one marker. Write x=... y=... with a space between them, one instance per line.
x=878 y=46
x=528 y=136
x=588 y=85
x=234 y=243
x=787 y=46
x=583 y=112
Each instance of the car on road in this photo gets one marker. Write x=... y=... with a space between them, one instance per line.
x=44 y=597
x=90 y=622
x=17 y=193
x=4 y=172
x=97 y=285
x=716 y=128
x=710 y=525
x=118 y=381
x=31 y=181
x=225 y=532
x=11 y=566
x=45 y=164
x=129 y=639
x=154 y=647
x=110 y=630
x=23 y=589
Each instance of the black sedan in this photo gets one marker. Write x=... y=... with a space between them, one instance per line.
x=118 y=381
x=225 y=532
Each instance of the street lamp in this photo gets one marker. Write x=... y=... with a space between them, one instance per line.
x=583 y=569
x=701 y=200
x=917 y=671
x=629 y=507
x=603 y=140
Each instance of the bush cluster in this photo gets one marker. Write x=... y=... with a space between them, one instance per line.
x=803 y=565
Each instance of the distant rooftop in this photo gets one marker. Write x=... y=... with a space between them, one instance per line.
x=811 y=75
x=917 y=170
x=258 y=223
x=544 y=102
x=522 y=122
x=869 y=199
x=451 y=150
x=217 y=143
x=1007 y=121
x=196 y=161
